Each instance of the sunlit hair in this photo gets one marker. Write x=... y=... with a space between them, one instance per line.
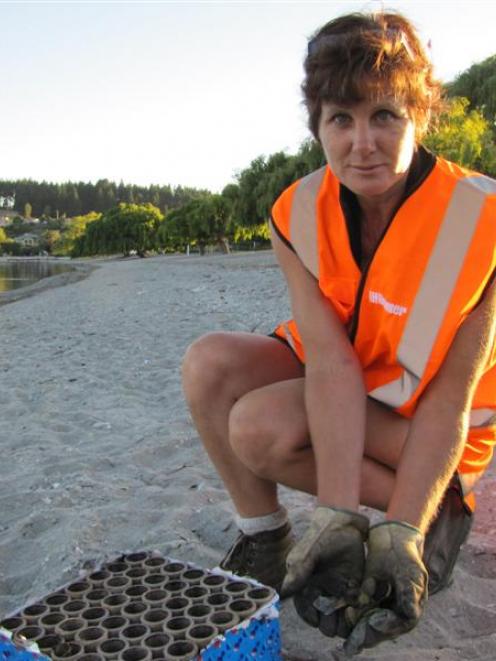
x=367 y=57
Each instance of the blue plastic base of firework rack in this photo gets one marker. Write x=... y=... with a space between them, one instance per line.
x=257 y=638
x=9 y=652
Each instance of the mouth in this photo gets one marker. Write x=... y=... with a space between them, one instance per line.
x=367 y=168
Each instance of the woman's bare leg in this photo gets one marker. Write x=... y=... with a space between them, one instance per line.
x=218 y=370
x=268 y=431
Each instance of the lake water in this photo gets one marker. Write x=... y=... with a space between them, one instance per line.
x=14 y=275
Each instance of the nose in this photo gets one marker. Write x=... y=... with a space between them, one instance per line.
x=363 y=140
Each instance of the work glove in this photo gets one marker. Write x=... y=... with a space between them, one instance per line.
x=325 y=569
x=394 y=589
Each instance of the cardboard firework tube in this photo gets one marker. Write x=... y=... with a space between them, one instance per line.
x=176 y=627
x=94 y=615
x=97 y=578
x=214 y=582
x=55 y=601
x=154 y=580
x=136 y=574
x=114 y=624
x=95 y=597
x=218 y=601
x=156 y=643
x=34 y=613
x=134 y=611
x=136 y=592
x=155 y=564
x=90 y=638
x=90 y=656
x=74 y=607
x=50 y=620
x=48 y=643
x=193 y=576
x=134 y=633
x=177 y=605
x=28 y=633
x=137 y=558
x=13 y=623
x=224 y=620
x=66 y=651
x=181 y=650
x=68 y=628
x=202 y=634
x=196 y=594
x=156 y=618
x=135 y=654
x=174 y=569
x=261 y=596
x=117 y=567
x=114 y=603
x=112 y=647
x=236 y=589
x=175 y=586
x=199 y=613
x=78 y=589
x=243 y=607
x=117 y=583
x=155 y=598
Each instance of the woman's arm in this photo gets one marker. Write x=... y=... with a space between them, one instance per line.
x=335 y=395
x=439 y=427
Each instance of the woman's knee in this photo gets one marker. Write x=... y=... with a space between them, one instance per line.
x=206 y=365
x=257 y=439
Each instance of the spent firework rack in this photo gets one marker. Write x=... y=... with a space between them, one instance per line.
x=142 y=607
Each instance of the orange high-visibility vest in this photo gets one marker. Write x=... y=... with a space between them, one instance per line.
x=426 y=275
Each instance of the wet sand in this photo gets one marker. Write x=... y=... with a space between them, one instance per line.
x=99 y=455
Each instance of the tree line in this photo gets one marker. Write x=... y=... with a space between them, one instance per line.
x=125 y=219
x=69 y=199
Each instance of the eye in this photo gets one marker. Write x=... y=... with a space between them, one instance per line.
x=340 y=119
x=384 y=115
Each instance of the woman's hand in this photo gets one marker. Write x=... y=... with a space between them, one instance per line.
x=394 y=589
x=325 y=569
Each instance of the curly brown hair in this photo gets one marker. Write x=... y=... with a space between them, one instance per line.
x=370 y=56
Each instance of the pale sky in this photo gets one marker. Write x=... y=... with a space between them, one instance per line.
x=179 y=93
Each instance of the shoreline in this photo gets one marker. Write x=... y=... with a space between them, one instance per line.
x=78 y=272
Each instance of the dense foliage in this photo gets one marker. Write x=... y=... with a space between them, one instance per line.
x=478 y=85
x=464 y=136
x=75 y=199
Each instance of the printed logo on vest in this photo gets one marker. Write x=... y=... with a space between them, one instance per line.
x=378 y=299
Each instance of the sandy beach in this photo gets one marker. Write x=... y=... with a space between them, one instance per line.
x=99 y=455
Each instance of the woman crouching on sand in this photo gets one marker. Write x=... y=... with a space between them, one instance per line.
x=381 y=390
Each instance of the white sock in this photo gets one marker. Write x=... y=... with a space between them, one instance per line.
x=255 y=524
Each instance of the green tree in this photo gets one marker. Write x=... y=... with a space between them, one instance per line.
x=49 y=239
x=74 y=229
x=464 y=136
x=122 y=229
x=478 y=85
x=27 y=210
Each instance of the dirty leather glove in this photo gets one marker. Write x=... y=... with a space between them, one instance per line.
x=394 y=590
x=325 y=569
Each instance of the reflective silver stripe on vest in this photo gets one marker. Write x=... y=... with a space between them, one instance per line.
x=484 y=184
x=436 y=289
x=303 y=221
x=482 y=417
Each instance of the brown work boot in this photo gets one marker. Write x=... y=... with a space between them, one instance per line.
x=261 y=556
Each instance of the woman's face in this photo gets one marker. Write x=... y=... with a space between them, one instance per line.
x=368 y=145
